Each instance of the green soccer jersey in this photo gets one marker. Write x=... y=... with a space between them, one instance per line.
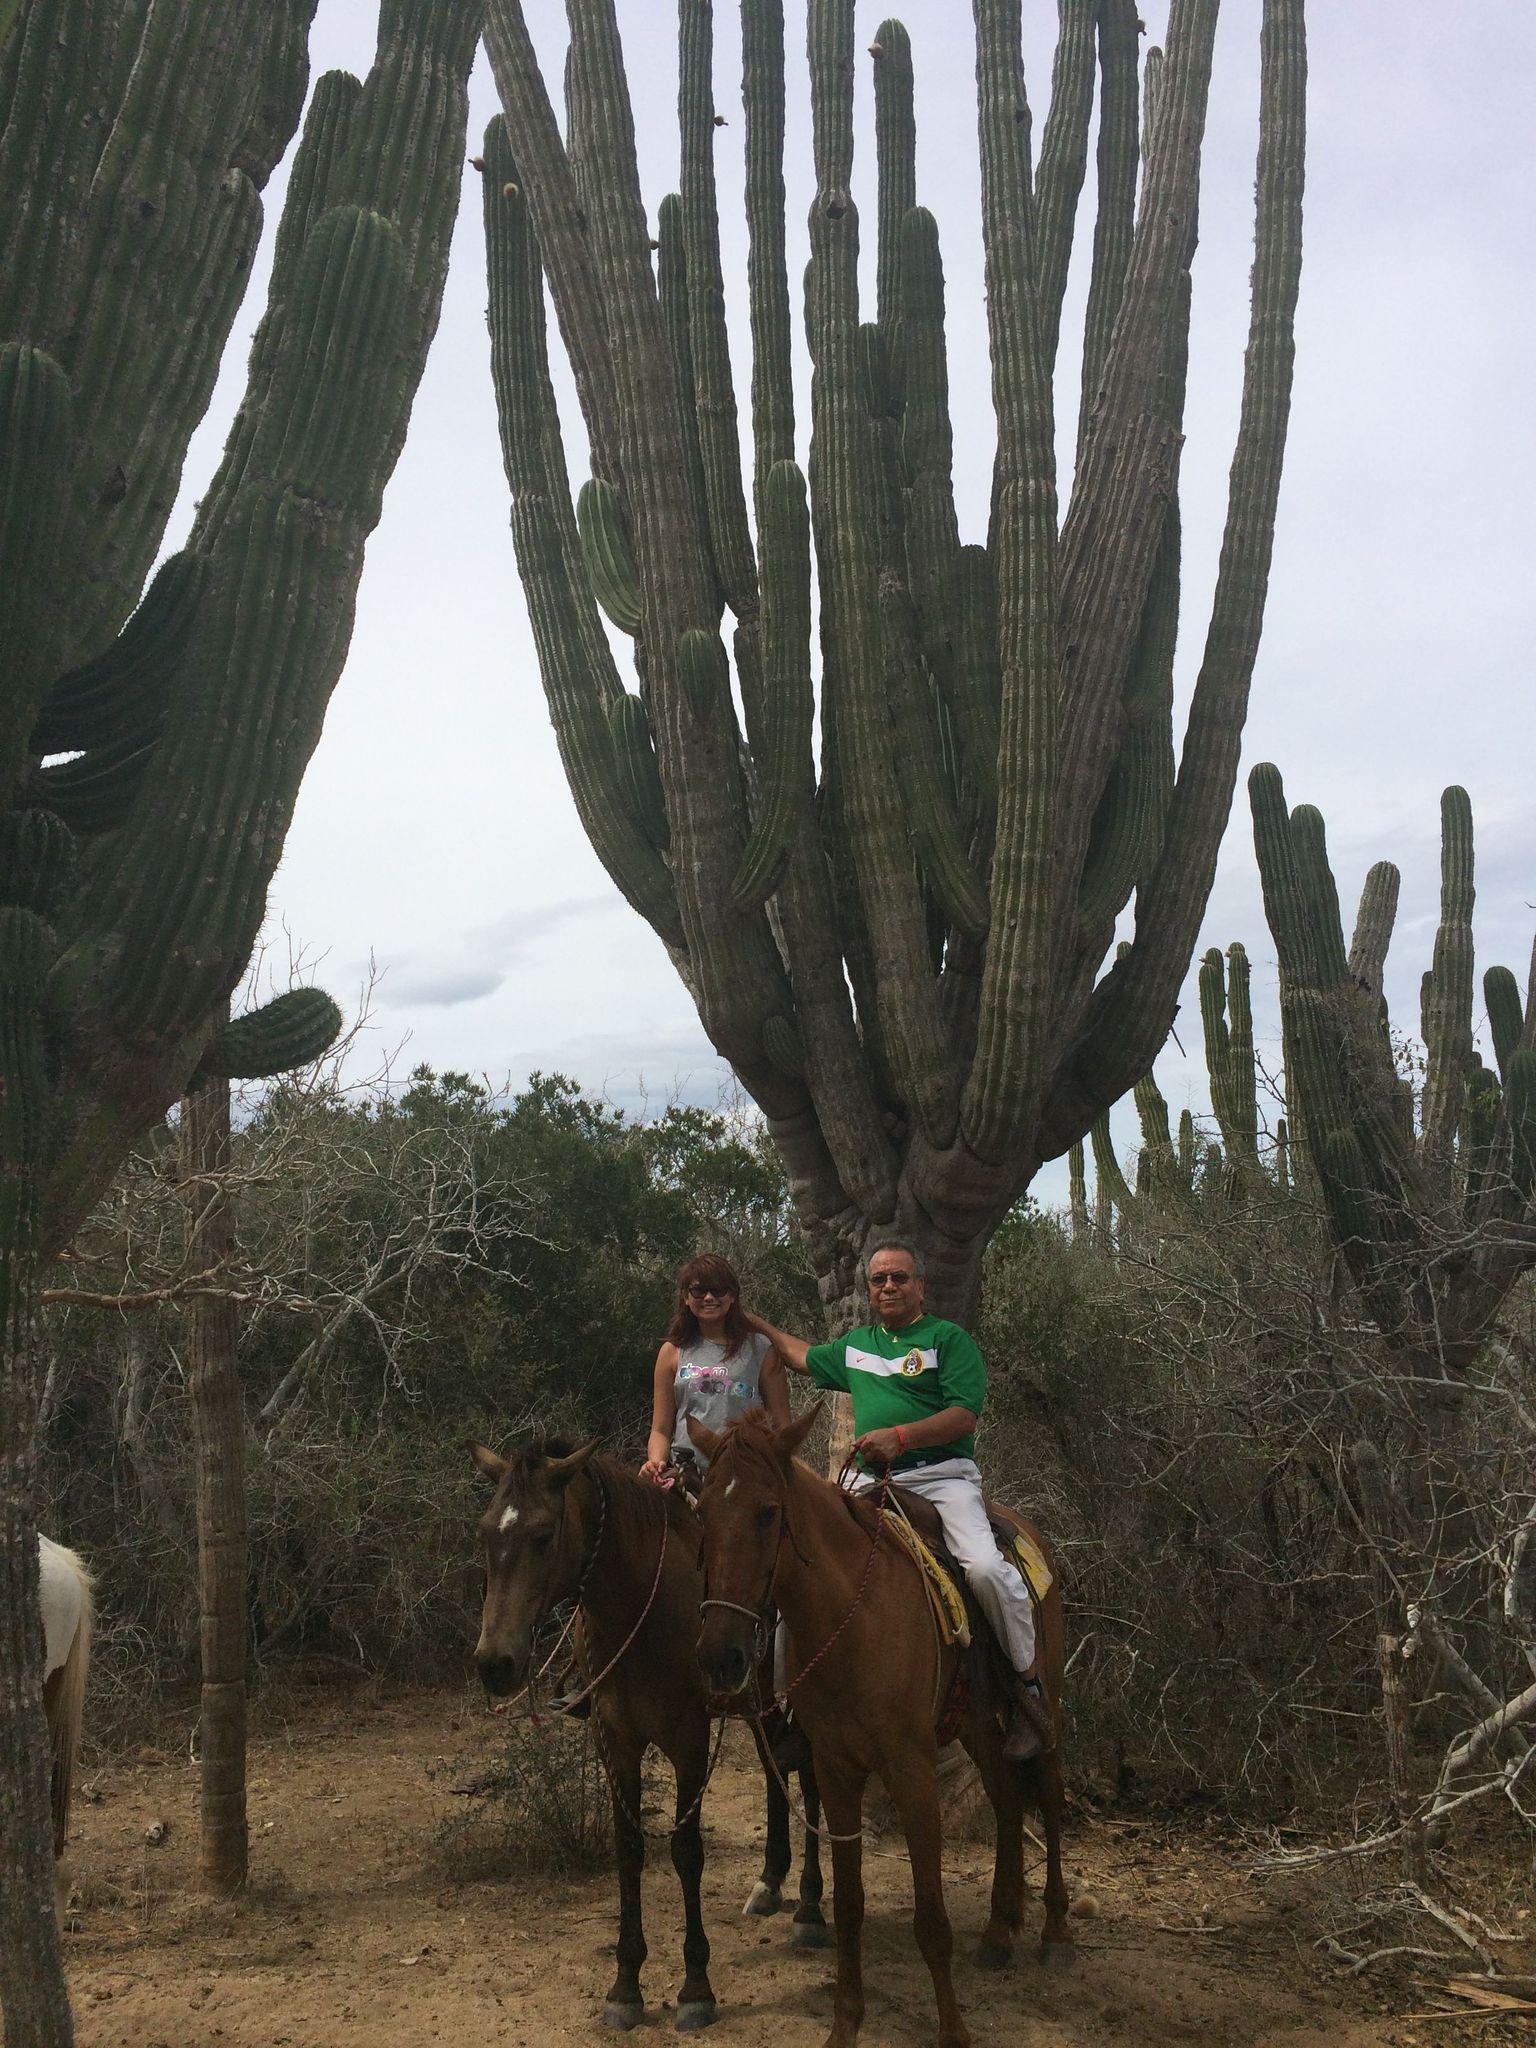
x=897 y=1377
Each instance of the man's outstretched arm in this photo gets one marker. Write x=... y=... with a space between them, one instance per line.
x=791 y=1349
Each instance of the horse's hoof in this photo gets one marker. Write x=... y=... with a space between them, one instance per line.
x=622 y=2016
x=810 y=1934
x=991 y=1955
x=699 y=2012
x=765 y=1899
x=1058 y=1955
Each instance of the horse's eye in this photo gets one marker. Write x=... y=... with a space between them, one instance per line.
x=765 y=1517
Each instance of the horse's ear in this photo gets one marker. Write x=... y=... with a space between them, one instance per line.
x=563 y=1470
x=787 y=1441
x=708 y=1440
x=494 y=1468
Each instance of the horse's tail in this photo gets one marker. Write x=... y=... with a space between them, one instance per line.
x=66 y=1703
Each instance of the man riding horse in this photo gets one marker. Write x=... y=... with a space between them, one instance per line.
x=917 y=1384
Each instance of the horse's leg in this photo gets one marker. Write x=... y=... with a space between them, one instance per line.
x=913 y=1783
x=810 y=1928
x=1004 y=1784
x=843 y=1791
x=767 y=1894
x=1050 y=1795
x=696 y=2000
x=625 y=2005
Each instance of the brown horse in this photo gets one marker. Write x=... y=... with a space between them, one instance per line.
x=568 y=1525
x=868 y=1676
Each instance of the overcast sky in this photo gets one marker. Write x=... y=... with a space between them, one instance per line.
x=435 y=833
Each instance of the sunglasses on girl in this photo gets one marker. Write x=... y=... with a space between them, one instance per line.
x=711 y=1293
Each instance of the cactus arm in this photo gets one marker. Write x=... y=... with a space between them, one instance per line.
x=1063 y=159
x=1501 y=993
x=896 y=161
x=762 y=92
x=37 y=436
x=1129 y=458
x=676 y=312
x=1448 y=1012
x=559 y=226
x=580 y=680
x=1002 y=1092
x=1129 y=1011
x=293 y=1030
x=933 y=567
x=1114 y=230
x=1077 y=1190
x=122 y=694
x=1186 y=1150
x=784 y=757
x=1106 y=1166
x=605 y=544
x=326 y=129
x=712 y=398
x=1156 y=1137
x=1373 y=926
x=1242 y=1084
x=634 y=756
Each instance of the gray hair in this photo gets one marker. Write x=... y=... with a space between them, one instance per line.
x=890 y=1244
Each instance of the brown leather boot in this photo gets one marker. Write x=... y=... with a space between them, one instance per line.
x=1031 y=1725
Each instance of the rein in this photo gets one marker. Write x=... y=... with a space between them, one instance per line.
x=592 y=1685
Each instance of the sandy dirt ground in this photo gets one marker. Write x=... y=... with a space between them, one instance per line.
x=354 y=1934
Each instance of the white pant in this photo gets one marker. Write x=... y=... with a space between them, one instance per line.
x=953 y=1485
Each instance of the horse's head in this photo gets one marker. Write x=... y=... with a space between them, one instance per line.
x=532 y=1552
x=742 y=1509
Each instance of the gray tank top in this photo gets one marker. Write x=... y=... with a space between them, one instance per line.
x=716 y=1387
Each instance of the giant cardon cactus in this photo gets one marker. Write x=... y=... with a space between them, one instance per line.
x=1433 y=1204
x=898 y=948
x=152 y=740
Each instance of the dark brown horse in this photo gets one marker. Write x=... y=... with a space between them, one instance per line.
x=568 y=1525
x=868 y=1676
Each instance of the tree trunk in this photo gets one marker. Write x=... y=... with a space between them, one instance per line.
x=33 y=1997
x=218 y=1427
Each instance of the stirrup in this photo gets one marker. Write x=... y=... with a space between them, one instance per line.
x=576 y=1705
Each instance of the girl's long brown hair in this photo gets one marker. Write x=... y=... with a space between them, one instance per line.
x=708 y=1269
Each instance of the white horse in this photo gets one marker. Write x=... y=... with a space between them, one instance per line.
x=66 y=1604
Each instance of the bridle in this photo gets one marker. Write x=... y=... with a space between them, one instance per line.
x=762 y=1615
x=588 y=1563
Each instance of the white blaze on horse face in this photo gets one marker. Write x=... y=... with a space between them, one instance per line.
x=730 y=1488
x=508 y=1518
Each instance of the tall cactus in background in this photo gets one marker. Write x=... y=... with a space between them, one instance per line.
x=1435 y=1216
x=899 y=951
x=134 y=141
